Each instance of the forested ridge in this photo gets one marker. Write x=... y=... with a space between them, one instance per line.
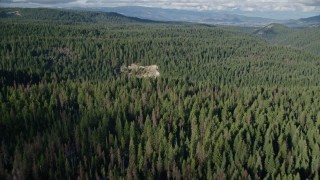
x=65 y=16
x=307 y=39
x=227 y=105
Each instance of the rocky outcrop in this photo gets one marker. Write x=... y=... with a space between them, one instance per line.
x=141 y=71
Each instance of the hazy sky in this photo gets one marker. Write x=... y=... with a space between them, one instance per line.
x=290 y=8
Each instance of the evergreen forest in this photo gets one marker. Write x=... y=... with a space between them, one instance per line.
x=227 y=104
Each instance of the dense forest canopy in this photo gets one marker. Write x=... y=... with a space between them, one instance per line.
x=227 y=104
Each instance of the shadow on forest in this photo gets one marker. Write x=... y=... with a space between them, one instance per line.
x=9 y=78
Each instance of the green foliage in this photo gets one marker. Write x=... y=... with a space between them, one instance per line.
x=226 y=105
x=307 y=39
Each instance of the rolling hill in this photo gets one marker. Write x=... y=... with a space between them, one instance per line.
x=71 y=16
x=305 y=22
x=272 y=31
x=307 y=39
x=314 y=19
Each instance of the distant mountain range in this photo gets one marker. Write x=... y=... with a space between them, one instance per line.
x=312 y=19
x=307 y=22
x=147 y=14
x=207 y=17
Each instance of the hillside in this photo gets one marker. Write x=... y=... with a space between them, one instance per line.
x=307 y=39
x=70 y=16
x=314 y=19
x=311 y=21
x=122 y=100
x=272 y=31
x=305 y=22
